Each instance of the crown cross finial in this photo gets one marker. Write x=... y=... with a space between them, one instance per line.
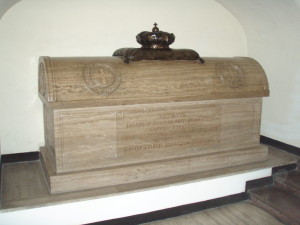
x=155 y=28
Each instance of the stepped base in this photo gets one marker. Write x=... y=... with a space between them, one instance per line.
x=96 y=178
x=289 y=181
x=278 y=202
x=24 y=186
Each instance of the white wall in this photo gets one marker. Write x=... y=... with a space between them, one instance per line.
x=33 y=28
x=272 y=29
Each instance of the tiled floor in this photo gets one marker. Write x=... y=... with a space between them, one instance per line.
x=242 y=213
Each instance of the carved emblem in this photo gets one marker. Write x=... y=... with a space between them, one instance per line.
x=102 y=79
x=230 y=74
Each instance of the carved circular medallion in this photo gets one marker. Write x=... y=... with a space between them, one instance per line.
x=102 y=79
x=230 y=74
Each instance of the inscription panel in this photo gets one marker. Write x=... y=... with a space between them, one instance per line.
x=156 y=131
x=103 y=137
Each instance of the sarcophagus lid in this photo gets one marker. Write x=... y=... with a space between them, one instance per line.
x=155 y=73
x=104 y=81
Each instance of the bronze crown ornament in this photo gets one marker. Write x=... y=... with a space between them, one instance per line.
x=155 y=46
x=155 y=39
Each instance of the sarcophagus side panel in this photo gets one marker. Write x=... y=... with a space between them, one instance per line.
x=112 y=136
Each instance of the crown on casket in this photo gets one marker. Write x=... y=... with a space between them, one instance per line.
x=155 y=39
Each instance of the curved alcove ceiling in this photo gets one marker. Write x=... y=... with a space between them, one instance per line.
x=5 y=5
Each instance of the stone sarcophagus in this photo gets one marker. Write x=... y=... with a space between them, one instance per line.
x=108 y=122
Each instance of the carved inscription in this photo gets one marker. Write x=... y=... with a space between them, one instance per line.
x=149 y=130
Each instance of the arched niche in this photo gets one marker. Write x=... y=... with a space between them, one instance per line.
x=93 y=28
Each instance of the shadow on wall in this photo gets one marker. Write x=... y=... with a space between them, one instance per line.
x=5 y=5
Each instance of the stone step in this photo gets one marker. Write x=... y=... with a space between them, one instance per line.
x=289 y=181
x=280 y=203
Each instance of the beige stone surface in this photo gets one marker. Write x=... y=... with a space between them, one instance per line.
x=108 y=123
x=106 y=81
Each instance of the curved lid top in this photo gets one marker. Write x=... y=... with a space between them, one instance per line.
x=70 y=82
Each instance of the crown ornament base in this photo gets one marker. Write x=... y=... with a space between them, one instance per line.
x=137 y=54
